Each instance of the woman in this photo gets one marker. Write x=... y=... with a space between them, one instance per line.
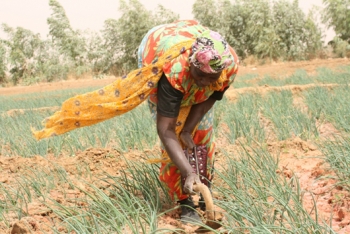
x=184 y=69
x=182 y=103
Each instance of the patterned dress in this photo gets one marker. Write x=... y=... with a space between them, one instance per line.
x=154 y=44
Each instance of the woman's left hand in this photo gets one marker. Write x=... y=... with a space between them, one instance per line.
x=187 y=140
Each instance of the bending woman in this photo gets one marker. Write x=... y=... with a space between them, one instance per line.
x=182 y=102
x=184 y=69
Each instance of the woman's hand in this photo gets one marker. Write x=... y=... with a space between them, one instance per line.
x=187 y=140
x=191 y=179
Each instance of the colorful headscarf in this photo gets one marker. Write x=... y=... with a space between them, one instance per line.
x=211 y=53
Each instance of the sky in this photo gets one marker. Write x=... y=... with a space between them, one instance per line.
x=91 y=14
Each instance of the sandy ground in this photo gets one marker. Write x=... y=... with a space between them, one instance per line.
x=298 y=158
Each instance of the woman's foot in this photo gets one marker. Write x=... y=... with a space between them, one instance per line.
x=188 y=213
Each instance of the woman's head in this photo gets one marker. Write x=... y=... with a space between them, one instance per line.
x=210 y=53
x=203 y=79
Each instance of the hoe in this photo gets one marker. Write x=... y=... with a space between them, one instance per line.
x=210 y=213
x=198 y=160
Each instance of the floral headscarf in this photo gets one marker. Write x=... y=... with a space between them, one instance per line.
x=210 y=53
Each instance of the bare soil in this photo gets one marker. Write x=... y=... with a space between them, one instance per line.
x=298 y=158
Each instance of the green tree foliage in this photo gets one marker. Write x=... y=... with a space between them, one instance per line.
x=95 y=54
x=51 y=64
x=23 y=46
x=341 y=48
x=313 y=38
x=123 y=36
x=3 y=62
x=230 y=21
x=25 y=56
x=113 y=48
x=336 y=14
x=262 y=28
x=63 y=36
x=204 y=8
x=297 y=32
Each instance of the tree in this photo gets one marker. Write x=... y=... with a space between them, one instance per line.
x=230 y=20
x=299 y=35
x=63 y=36
x=262 y=28
x=3 y=62
x=51 y=64
x=336 y=14
x=163 y=16
x=23 y=46
x=313 y=37
x=24 y=56
x=95 y=55
x=205 y=11
x=123 y=36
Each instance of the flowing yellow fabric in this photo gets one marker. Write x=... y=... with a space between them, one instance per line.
x=117 y=98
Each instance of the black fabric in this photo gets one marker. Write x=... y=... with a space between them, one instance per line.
x=169 y=98
x=218 y=95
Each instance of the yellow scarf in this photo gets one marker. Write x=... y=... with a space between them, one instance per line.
x=117 y=98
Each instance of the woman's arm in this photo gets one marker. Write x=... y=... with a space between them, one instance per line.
x=196 y=114
x=166 y=131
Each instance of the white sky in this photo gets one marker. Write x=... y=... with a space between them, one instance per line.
x=91 y=14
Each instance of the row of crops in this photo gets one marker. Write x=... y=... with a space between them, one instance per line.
x=136 y=128
x=255 y=197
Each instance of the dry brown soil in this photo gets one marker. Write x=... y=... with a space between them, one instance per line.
x=298 y=158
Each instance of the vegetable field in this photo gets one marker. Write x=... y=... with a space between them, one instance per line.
x=282 y=159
